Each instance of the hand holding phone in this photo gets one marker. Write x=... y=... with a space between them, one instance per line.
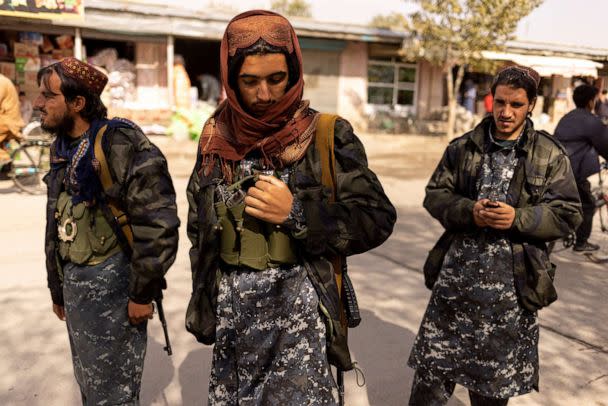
x=492 y=204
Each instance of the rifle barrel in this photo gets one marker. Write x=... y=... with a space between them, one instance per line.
x=163 y=323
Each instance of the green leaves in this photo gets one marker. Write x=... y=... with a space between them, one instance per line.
x=291 y=8
x=456 y=31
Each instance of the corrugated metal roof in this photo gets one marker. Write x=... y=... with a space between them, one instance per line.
x=552 y=49
x=154 y=19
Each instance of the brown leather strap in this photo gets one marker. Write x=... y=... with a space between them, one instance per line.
x=324 y=143
x=106 y=182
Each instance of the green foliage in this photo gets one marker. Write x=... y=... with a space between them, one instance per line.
x=187 y=123
x=393 y=21
x=292 y=8
x=454 y=32
x=450 y=33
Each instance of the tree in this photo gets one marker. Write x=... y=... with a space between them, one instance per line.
x=452 y=34
x=292 y=8
x=393 y=21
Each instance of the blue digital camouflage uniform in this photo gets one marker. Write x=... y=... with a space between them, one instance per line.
x=107 y=351
x=362 y=219
x=269 y=335
x=474 y=331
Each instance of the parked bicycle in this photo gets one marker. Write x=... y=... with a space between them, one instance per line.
x=600 y=192
x=30 y=159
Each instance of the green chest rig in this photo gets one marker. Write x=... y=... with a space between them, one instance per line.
x=247 y=241
x=85 y=236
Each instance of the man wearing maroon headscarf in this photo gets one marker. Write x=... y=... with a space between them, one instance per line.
x=261 y=226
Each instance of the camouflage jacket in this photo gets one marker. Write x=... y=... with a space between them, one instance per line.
x=362 y=219
x=543 y=192
x=144 y=190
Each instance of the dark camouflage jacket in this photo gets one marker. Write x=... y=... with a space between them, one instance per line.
x=362 y=219
x=543 y=192
x=143 y=187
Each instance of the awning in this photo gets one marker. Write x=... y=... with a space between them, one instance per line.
x=549 y=65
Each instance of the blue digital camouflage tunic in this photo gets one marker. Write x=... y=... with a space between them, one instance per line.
x=474 y=331
x=107 y=351
x=270 y=346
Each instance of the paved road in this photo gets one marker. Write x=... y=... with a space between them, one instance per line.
x=36 y=368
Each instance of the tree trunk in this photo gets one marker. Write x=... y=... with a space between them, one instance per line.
x=451 y=105
x=453 y=88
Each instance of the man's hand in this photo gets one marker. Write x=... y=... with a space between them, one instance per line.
x=499 y=218
x=139 y=313
x=269 y=200
x=59 y=311
x=477 y=208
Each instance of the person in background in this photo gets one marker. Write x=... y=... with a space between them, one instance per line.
x=25 y=108
x=601 y=106
x=181 y=83
x=11 y=122
x=584 y=136
x=488 y=102
x=469 y=96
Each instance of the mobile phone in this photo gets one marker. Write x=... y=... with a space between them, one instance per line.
x=492 y=204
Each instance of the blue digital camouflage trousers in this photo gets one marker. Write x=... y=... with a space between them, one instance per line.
x=270 y=341
x=107 y=351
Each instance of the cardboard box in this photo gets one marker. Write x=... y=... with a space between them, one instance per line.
x=8 y=70
x=25 y=50
x=59 y=54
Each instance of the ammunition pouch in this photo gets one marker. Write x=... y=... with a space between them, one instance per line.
x=85 y=236
x=247 y=241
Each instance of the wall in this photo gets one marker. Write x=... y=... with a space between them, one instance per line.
x=430 y=88
x=321 y=70
x=352 y=91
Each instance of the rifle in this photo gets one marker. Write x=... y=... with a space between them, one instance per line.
x=163 y=322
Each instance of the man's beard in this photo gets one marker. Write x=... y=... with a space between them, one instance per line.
x=63 y=128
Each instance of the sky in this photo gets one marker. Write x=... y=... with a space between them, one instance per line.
x=566 y=22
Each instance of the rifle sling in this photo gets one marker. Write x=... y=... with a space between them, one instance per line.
x=324 y=143
x=106 y=182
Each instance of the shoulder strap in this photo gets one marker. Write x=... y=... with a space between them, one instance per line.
x=106 y=182
x=324 y=143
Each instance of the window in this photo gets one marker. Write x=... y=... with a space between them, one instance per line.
x=391 y=83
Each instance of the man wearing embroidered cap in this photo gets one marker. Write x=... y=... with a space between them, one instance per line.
x=262 y=224
x=501 y=192
x=111 y=231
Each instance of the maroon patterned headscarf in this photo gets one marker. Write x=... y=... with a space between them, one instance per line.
x=232 y=133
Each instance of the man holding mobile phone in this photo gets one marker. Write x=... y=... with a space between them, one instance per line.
x=500 y=191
